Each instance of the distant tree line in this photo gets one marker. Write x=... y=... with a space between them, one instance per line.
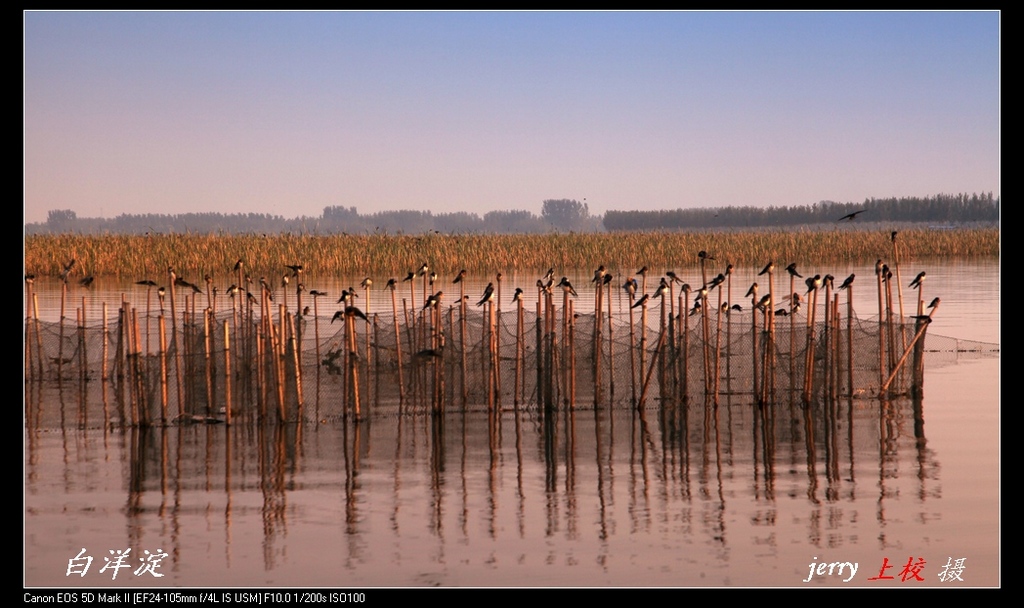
x=941 y=208
x=556 y=215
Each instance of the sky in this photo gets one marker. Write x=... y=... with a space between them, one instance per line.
x=286 y=113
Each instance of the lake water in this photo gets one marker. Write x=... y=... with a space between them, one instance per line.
x=692 y=495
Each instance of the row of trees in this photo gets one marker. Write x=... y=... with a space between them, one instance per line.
x=941 y=208
x=556 y=214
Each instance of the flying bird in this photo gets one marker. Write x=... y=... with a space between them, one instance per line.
x=851 y=216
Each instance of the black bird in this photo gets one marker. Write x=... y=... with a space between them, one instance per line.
x=728 y=269
x=366 y=283
x=488 y=295
x=934 y=303
x=31 y=278
x=295 y=268
x=643 y=300
x=630 y=286
x=829 y=281
x=685 y=288
x=433 y=301
x=893 y=236
x=238 y=265
x=791 y=269
x=763 y=302
x=813 y=283
x=847 y=282
x=392 y=283
x=349 y=311
x=316 y=293
x=752 y=292
x=409 y=277
x=662 y=289
x=770 y=266
x=67 y=270
x=851 y=216
x=433 y=277
x=878 y=267
x=886 y=273
x=642 y=272
x=916 y=283
x=925 y=318
x=87 y=281
x=518 y=295
x=146 y=282
x=346 y=296
x=704 y=255
x=672 y=275
x=459 y=277
x=607 y=279
x=715 y=282
x=567 y=286
x=543 y=287
x=736 y=307
x=423 y=269
x=696 y=308
x=782 y=312
x=550 y=275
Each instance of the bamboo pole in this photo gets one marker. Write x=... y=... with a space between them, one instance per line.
x=227 y=372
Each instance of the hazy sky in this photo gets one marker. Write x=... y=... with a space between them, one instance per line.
x=286 y=113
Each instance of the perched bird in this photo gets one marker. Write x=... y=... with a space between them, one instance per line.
x=893 y=236
x=782 y=312
x=770 y=266
x=433 y=301
x=31 y=278
x=630 y=286
x=518 y=295
x=643 y=300
x=543 y=287
x=550 y=275
x=886 y=273
x=878 y=267
x=704 y=255
x=851 y=216
x=934 y=303
x=433 y=277
x=284 y=280
x=346 y=296
x=392 y=284
x=567 y=286
x=752 y=292
x=724 y=309
x=488 y=295
x=685 y=288
x=847 y=282
x=607 y=278
x=672 y=275
x=366 y=283
x=238 y=265
x=161 y=293
x=409 y=277
x=305 y=311
x=642 y=272
x=696 y=308
x=316 y=293
x=813 y=283
x=916 y=283
x=459 y=277
x=295 y=268
x=423 y=269
x=715 y=282
x=763 y=302
x=728 y=269
x=828 y=281
x=598 y=275
x=736 y=307
x=662 y=289
x=791 y=269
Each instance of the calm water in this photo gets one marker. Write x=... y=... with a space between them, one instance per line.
x=695 y=496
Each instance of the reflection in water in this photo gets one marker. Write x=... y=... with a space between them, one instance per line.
x=673 y=476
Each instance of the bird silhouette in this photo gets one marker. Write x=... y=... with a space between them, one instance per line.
x=851 y=216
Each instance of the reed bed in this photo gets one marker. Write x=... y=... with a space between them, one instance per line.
x=149 y=256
